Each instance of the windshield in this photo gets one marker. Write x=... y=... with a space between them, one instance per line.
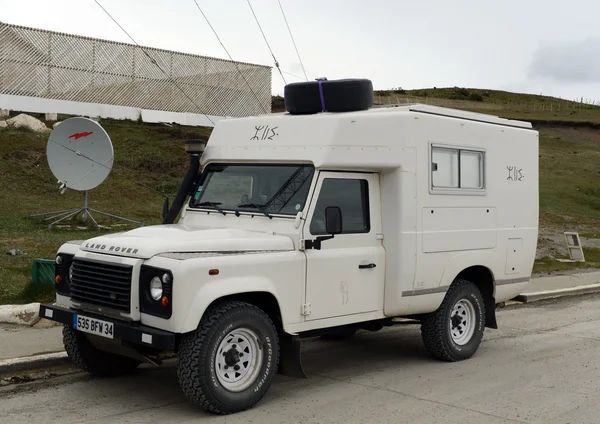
x=264 y=188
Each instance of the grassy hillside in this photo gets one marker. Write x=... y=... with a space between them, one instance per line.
x=150 y=162
x=473 y=94
x=569 y=193
x=530 y=107
x=570 y=175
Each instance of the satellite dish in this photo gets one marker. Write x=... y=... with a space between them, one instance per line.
x=80 y=154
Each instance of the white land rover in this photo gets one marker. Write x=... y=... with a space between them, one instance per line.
x=305 y=223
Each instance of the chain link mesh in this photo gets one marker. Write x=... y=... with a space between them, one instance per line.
x=40 y=63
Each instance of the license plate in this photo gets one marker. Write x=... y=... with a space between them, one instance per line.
x=93 y=326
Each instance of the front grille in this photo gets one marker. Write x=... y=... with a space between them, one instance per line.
x=102 y=284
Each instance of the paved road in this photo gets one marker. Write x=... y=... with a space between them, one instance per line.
x=18 y=340
x=542 y=366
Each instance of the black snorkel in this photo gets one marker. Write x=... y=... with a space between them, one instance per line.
x=194 y=148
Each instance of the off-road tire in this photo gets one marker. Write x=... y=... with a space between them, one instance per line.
x=435 y=327
x=198 y=349
x=93 y=360
x=342 y=95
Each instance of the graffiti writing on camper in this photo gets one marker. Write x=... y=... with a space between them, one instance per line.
x=514 y=173
x=264 y=132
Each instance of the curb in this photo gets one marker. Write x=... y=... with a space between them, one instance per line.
x=31 y=363
x=28 y=314
x=551 y=294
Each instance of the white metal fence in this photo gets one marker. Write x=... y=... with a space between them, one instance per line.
x=44 y=64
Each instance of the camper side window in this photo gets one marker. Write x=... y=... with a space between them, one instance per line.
x=457 y=168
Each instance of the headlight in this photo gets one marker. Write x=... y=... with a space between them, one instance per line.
x=156 y=288
x=63 y=273
x=156 y=291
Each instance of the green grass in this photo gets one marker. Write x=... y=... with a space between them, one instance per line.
x=550 y=265
x=149 y=161
x=570 y=177
x=569 y=189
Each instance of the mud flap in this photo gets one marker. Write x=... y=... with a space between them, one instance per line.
x=290 y=361
x=490 y=313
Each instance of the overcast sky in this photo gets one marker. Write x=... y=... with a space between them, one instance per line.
x=536 y=46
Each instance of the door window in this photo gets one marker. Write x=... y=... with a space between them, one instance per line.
x=352 y=197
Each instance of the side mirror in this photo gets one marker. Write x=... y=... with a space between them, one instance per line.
x=333 y=220
x=333 y=226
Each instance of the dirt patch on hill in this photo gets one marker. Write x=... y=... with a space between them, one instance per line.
x=555 y=245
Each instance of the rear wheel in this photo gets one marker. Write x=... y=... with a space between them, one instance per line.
x=454 y=331
x=229 y=362
x=93 y=360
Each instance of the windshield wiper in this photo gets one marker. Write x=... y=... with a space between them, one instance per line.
x=259 y=207
x=213 y=204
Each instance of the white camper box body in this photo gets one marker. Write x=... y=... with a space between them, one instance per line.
x=425 y=236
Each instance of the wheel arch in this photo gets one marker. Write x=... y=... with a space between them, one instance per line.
x=483 y=278
x=256 y=291
x=261 y=299
x=475 y=266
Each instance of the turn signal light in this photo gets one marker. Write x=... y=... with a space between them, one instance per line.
x=58 y=279
x=213 y=272
x=164 y=301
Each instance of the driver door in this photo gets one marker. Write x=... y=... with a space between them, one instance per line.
x=346 y=275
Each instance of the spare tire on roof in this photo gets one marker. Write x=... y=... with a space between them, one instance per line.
x=331 y=96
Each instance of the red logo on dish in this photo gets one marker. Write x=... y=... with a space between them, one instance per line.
x=77 y=136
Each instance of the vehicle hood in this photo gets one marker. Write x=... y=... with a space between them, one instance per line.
x=147 y=242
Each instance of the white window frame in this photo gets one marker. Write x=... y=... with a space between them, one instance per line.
x=458 y=190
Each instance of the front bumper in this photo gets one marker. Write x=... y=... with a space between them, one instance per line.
x=127 y=331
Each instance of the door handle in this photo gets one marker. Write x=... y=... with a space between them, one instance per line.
x=371 y=265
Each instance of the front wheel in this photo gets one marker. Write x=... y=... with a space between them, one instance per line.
x=454 y=331
x=229 y=362
x=92 y=360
